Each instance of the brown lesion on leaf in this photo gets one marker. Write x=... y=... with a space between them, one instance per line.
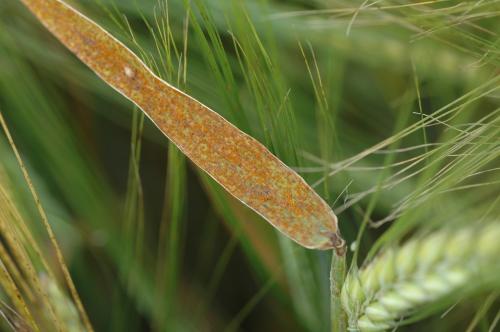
x=339 y=244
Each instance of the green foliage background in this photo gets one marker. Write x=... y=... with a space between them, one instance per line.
x=153 y=244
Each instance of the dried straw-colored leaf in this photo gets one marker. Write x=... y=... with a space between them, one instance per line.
x=52 y=238
x=243 y=166
x=10 y=288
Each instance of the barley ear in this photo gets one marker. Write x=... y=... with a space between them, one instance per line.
x=424 y=270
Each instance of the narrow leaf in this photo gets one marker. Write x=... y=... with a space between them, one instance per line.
x=243 y=166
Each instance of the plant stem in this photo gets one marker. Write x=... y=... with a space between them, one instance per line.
x=337 y=276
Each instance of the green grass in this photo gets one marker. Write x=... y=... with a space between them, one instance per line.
x=389 y=109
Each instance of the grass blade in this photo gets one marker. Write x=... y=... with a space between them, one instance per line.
x=243 y=166
x=50 y=232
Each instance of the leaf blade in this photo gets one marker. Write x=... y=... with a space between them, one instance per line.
x=238 y=162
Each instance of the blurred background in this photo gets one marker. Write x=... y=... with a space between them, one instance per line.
x=389 y=109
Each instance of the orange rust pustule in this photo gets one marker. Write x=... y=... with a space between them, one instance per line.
x=242 y=165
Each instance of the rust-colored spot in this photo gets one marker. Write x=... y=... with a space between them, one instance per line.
x=243 y=166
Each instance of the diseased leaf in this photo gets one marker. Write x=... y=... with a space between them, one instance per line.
x=242 y=165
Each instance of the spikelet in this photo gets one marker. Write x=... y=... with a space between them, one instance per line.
x=421 y=271
x=63 y=306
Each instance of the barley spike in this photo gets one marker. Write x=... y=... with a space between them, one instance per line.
x=421 y=271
